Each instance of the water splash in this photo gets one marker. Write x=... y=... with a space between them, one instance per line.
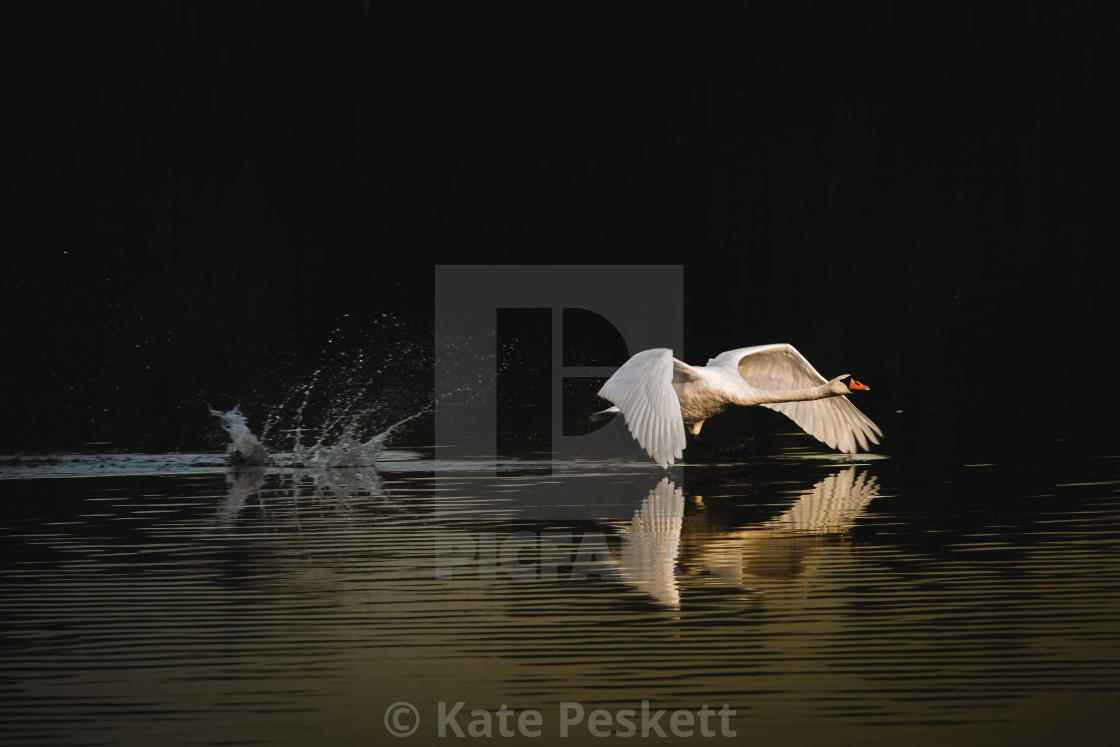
x=345 y=450
x=348 y=450
x=343 y=413
x=343 y=467
x=244 y=447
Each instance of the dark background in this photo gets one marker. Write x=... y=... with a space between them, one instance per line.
x=202 y=202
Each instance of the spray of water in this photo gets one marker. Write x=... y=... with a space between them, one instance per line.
x=345 y=413
x=244 y=446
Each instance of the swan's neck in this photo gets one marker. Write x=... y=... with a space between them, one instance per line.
x=793 y=395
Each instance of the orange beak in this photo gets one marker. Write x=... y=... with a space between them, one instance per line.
x=853 y=385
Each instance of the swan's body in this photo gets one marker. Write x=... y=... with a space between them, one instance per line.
x=659 y=395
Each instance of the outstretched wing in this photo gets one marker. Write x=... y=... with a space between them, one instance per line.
x=643 y=390
x=834 y=420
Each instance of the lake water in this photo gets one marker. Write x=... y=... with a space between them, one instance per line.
x=166 y=599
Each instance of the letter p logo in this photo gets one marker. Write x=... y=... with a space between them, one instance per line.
x=643 y=303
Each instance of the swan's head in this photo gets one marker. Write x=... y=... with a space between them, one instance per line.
x=846 y=385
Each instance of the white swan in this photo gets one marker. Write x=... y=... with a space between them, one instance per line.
x=658 y=395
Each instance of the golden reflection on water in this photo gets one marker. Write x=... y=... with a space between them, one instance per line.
x=663 y=546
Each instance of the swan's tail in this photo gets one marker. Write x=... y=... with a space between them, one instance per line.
x=606 y=414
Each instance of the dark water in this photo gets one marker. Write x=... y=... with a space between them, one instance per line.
x=166 y=600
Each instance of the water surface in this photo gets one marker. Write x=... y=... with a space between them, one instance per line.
x=167 y=599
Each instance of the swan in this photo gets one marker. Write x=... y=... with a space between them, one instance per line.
x=658 y=395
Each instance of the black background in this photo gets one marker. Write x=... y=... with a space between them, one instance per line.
x=200 y=197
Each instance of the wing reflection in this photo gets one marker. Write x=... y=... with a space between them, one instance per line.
x=651 y=542
x=663 y=546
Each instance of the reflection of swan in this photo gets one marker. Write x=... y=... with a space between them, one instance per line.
x=650 y=543
x=658 y=395
x=831 y=506
x=662 y=547
x=782 y=548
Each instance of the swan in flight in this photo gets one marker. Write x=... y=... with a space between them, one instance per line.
x=658 y=395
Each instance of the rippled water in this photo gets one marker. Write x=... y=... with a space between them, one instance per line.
x=164 y=599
